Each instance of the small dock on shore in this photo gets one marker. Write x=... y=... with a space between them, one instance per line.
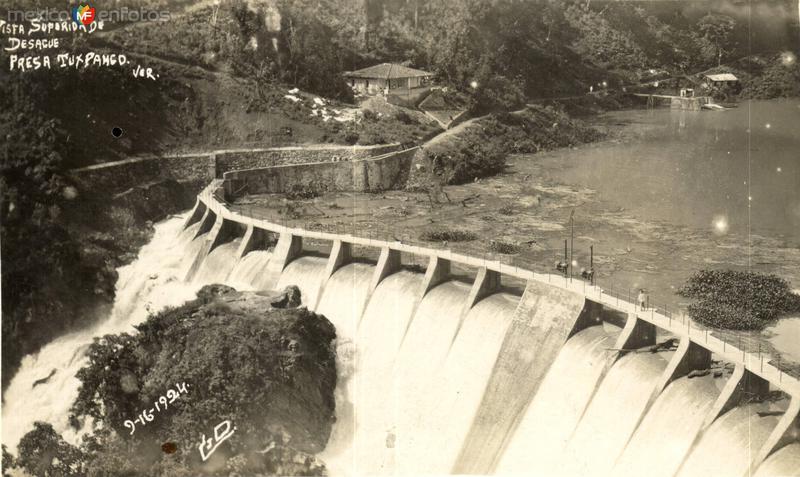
x=692 y=103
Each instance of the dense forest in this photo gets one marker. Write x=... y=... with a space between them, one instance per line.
x=510 y=50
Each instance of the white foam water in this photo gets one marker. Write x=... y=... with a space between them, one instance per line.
x=612 y=415
x=342 y=302
x=555 y=411
x=785 y=462
x=458 y=386
x=380 y=334
x=248 y=270
x=305 y=273
x=727 y=447
x=424 y=349
x=150 y=283
x=218 y=263
x=413 y=372
x=670 y=427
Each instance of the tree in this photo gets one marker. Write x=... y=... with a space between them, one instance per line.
x=716 y=30
x=496 y=93
x=599 y=41
x=43 y=453
x=8 y=462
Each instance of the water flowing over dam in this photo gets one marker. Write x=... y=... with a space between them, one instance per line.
x=153 y=281
x=453 y=368
x=469 y=367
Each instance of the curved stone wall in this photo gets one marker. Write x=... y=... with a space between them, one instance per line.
x=384 y=172
x=122 y=175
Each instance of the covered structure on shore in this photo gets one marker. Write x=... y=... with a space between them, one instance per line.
x=387 y=78
x=721 y=85
x=721 y=79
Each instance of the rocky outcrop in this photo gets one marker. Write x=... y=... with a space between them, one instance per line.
x=288 y=298
x=269 y=371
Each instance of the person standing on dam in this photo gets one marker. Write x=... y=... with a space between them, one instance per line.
x=642 y=299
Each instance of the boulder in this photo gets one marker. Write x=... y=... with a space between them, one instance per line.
x=288 y=298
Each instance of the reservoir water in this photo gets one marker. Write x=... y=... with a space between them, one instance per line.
x=683 y=190
x=733 y=172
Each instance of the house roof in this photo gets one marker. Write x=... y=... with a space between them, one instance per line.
x=387 y=71
x=722 y=77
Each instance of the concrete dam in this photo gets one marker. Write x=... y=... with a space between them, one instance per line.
x=451 y=364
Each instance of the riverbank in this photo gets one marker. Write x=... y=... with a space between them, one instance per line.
x=522 y=216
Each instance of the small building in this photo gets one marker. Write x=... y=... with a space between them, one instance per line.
x=722 y=85
x=387 y=78
x=721 y=79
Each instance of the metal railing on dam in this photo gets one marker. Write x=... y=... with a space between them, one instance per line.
x=213 y=214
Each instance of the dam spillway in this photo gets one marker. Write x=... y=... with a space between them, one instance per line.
x=453 y=372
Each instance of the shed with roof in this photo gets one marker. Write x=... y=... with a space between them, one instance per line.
x=386 y=78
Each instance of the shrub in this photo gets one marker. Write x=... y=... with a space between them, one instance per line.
x=540 y=128
x=448 y=235
x=304 y=191
x=501 y=246
x=775 y=81
x=497 y=93
x=373 y=138
x=351 y=138
x=292 y=211
x=370 y=115
x=270 y=372
x=468 y=160
x=404 y=117
x=738 y=300
x=723 y=316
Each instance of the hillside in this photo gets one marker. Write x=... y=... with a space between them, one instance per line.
x=191 y=109
x=224 y=71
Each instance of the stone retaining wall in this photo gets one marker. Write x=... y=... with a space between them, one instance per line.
x=378 y=173
x=122 y=175
x=238 y=160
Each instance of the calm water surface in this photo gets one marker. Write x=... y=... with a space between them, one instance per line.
x=733 y=171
